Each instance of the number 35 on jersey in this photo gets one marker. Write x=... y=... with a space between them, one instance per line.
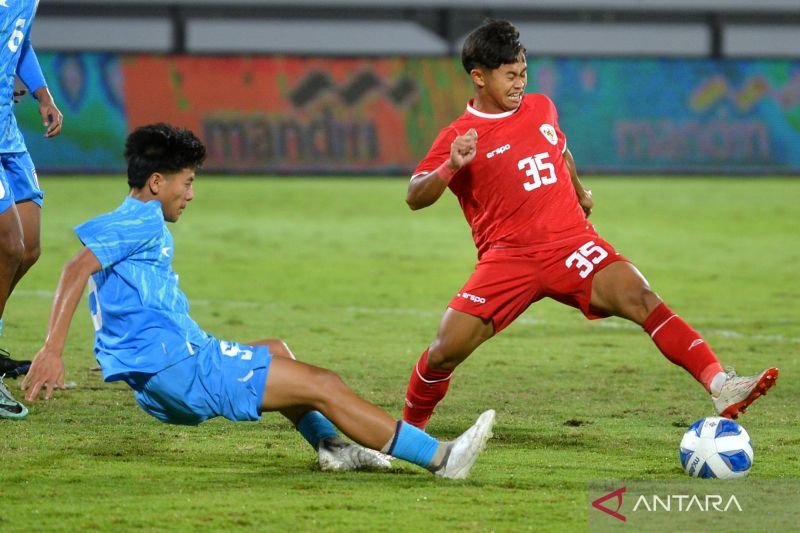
x=539 y=170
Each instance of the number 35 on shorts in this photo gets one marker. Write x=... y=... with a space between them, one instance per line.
x=233 y=349
x=585 y=258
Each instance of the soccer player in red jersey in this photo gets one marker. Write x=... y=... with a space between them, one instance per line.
x=507 y=162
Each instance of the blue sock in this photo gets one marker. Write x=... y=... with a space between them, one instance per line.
x=413 y=445
x=314 y=427
x=1 y=327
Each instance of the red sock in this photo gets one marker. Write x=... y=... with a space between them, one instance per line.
x=425 y=389
x=681 y=344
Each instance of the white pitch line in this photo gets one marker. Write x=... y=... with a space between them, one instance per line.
x=602 y=324
x=421 y=313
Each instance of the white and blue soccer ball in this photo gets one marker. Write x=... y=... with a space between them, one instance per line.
x=716 y=447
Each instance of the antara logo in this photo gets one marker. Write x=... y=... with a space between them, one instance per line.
x=598 y=503
x=681 y=503
x=498 y=151
x=686 y=503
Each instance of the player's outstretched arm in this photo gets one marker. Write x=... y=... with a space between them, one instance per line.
x=584 y=195
x=47 y=368
x=425 y=189
x=30 y=72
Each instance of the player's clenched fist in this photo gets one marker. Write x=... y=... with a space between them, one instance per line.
x=463 y=149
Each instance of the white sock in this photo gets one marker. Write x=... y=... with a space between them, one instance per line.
x=717 y=383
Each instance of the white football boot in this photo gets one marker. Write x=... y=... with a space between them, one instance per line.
x=10 y=407
x=338 y=455
x=738 y=392
x=466 y=448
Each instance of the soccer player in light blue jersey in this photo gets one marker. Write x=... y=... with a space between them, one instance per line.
x=182 y=375
x=20 y=195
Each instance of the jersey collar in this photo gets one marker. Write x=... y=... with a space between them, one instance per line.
x=491 y=116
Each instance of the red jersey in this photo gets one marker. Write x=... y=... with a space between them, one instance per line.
x=517 y=191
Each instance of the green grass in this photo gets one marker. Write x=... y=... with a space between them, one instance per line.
x=356 y=282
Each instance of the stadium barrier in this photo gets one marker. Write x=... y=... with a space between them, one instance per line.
x=306 y=115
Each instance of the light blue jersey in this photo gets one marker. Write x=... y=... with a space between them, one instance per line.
x=141 y=317
x=16 y=17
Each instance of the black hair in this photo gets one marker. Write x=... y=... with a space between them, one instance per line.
x=491 y=45
x=161 y=148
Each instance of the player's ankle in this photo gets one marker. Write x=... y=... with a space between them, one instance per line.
x=331 y=442
x=715 y=386
x=709 y=378
x=440 y=457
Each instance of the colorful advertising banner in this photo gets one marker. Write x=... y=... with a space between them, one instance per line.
x=651 y=116
x=88 y=90
x=291 y=115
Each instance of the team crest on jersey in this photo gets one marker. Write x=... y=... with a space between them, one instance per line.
x=549 y=133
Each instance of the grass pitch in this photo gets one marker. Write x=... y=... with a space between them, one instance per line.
x=354 y=281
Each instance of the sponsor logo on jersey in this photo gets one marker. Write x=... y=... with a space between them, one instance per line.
x=472 y=297
x=549 y=133
x=498 y=151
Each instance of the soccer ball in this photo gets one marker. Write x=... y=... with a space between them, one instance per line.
x=716 y=447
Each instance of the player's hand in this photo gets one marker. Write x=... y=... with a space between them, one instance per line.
x=47 y=370
x=463 y=149
x=586 y=202
x=52 y=118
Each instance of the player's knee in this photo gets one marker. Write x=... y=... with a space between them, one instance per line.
x=12 y=247
x=30 y=255
x=327 y=386
x=445 y=356
x=279 y=348
x=642 y=303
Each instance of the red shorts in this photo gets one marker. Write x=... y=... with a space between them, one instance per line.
x=508 y=280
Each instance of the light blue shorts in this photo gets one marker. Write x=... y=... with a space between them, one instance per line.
x=18 y=181
x=221 y=379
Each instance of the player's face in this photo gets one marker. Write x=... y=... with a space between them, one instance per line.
x=503 y=87
x=175 y=193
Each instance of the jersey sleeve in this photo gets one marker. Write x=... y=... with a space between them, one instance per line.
x=549 y=114
x=553 y=113
x=438 y=153
x=117 y=235
x=28 y=68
